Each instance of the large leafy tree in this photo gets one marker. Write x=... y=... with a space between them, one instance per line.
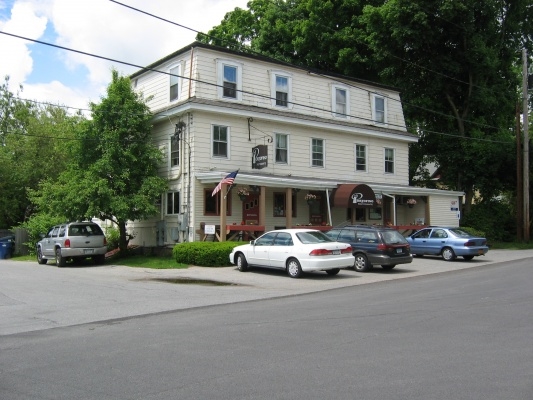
x=454 y=62
x=34 y=142
x=113 y=174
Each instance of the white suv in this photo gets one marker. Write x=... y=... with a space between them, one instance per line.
x=70 y=241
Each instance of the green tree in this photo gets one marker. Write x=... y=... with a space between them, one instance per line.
x=113 y=174
x=34 y=145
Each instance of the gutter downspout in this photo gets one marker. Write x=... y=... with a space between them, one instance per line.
x=329 y=208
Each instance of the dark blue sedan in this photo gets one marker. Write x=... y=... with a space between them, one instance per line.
x=447 y=242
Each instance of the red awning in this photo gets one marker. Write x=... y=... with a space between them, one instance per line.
x=354 y=195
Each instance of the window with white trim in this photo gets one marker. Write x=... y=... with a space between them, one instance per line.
x=174 y=152
x=175 y=83
x=173 y=203
x=389 y=161
x=282 y=148
x=220 y=141
x=340 y=102
x=281 y=89
x=360 y=158
x=379 y=109
x=229 y=80
x=317 y=152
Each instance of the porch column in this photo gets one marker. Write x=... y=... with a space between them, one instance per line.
x=288 y=207
x=223 y=208
x=262 y=205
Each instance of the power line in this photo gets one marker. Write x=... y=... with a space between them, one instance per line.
x=187 y=78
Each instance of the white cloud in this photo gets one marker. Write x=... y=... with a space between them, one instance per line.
x=103 y=28
x=14 y=52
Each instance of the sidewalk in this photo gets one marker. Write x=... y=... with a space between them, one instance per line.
x=35 y=297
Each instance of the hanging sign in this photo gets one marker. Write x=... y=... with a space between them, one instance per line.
x=259 y=157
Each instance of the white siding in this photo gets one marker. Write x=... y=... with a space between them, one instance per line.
x=440 y=211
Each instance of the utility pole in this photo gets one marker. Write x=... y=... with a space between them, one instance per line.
x=525 y=158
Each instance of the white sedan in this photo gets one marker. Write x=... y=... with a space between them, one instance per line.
x=294 y=250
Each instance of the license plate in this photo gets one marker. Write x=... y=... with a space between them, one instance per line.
x=480 y=252
x=399 y=251
x=336 y=252
x=88 y=251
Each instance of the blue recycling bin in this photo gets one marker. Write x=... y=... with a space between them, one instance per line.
x=6 y=247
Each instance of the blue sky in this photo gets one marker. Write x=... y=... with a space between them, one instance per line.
x=98 y=27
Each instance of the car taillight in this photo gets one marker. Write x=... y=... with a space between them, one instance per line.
x=347 y=250
x=67 y=243
x=320 y=252
x=470 y=243
x=383 y=247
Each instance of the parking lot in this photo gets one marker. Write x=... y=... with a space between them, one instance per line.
x=35 y=297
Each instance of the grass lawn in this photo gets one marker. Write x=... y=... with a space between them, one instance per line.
x=131 y=261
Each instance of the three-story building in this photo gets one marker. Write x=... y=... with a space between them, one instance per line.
x=310 y=148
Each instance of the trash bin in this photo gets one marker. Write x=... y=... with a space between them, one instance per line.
x=6 y=247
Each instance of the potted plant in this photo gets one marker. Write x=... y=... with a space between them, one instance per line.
x=411 y=202
x=243 y=193
x=310 y=198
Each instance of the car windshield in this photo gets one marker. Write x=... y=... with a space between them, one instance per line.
x=393 y=237
x=313 y=237
x=460 y=233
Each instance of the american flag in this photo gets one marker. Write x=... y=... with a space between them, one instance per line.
x=228 y=179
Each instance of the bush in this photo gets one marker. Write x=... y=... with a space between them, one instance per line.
x=37 y=225
x=204 y=254
x=112 y=235
x=493 y=217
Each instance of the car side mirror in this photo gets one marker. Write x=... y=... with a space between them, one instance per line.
x=252 y=242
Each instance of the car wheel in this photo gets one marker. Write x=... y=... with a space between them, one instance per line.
x=99 y=260
x=388 y=267
x=40 y=258
x=361 y=263
x=293 y=268
x=468 y=258
x=448 y=254
x=60 y=260
x=242 y=264
x=333 y=271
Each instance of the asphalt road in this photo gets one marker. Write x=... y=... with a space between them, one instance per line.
x=430 y=330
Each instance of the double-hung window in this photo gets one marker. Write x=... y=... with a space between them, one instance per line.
x=220 y=141
x=360 y=158
x=174 y=152
x=282 y=148
x=281 y=89
x=175 y=83
x=173 y=203
x=340 y=102
x=389 y=161
x=229 y=80
x=379 y=109
x=317 y=152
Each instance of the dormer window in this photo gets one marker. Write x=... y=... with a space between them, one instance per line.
x=379 y=109
x=229 y=80
x=340 y=101
x=281 y=89
x=175 y=83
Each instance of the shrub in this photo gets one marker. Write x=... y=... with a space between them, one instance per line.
x=493 y=217
x=205 y=254
x=37 y=225
x=112 y=235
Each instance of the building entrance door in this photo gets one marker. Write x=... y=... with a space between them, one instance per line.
x=250 y=210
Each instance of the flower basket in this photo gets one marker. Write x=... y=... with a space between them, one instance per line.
x=310 y=198
x=411 y=202
x=243 y=193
